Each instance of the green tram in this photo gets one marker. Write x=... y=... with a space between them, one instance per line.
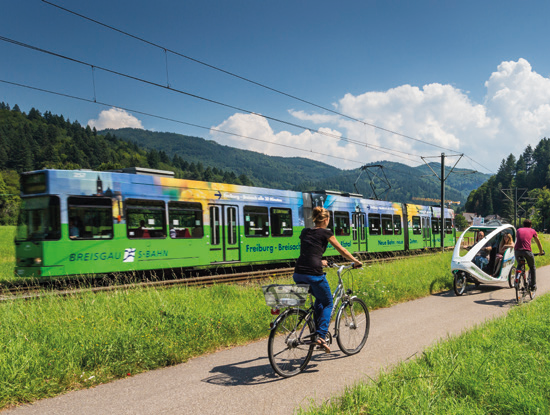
x=76 y=222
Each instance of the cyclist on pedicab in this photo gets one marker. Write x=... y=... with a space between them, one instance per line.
x=309 y=269
x=523 y=249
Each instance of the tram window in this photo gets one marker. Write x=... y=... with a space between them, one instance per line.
x=281 y=222
x=231 y=222
x=185 y=220
x=256 y=221
x=435 y=225
x=90 y=217
x=341 y=226
x=145 y=219
x=39 y=219
x=215 y=224
x=374 y=224
x=417 y=228
x=330 y=221
x=448 y=225
x=397 y=224
x=387 y=225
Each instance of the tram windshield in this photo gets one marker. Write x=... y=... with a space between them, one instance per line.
x=39 y=219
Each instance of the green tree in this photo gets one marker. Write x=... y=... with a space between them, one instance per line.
x=153 y=159
x=461 y=222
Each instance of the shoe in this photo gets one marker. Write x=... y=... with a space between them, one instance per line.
x=533 y=288
x=322 y=344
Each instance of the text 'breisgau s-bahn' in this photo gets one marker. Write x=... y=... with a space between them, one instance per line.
x=84 y=222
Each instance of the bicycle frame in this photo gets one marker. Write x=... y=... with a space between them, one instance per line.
x=293 y=333
x=339 y=296
x=520 y=270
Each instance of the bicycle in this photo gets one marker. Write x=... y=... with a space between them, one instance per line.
x=522 y=283
x=292 y=337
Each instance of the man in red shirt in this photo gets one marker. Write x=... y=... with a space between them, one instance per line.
x=523 y=249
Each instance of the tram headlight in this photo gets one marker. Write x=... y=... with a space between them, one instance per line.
x=37 y=261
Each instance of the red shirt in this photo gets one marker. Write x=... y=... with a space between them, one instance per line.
x=523 y=239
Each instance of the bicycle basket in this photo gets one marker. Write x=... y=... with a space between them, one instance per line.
x=285 y=295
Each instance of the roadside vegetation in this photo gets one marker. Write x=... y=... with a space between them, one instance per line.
x=7 y=254
x=56 y=344
x=500 y=368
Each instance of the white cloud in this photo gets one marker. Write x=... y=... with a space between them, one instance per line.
x=115 y=118
x=253 y=132
x=520 y=99
x=515 y=113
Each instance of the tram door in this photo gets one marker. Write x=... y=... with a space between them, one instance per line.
x=359 y=233
x=426 y=228
x=224 y=233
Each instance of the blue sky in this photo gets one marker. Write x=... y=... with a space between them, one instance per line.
x=470 y=77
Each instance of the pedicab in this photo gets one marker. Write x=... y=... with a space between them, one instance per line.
x=480 y=265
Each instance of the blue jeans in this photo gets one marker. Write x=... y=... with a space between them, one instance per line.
x=323 y=300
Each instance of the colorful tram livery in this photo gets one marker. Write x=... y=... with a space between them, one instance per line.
x=81 y=222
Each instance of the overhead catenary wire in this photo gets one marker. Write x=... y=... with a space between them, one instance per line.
x=165 y=49
x=398 y=171
x=94 y=101
x=94 y=67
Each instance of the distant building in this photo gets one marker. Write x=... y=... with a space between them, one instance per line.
x=469 y=218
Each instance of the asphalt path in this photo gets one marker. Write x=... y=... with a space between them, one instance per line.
x=240 y=380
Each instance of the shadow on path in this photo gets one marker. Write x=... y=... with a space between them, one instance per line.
x=242 y=373
x=497 y=303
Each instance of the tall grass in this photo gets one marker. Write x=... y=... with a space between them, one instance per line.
x=7 y=253
x=499 y=368
x=53 y=345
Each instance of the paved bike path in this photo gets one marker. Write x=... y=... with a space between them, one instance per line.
x=241 y=381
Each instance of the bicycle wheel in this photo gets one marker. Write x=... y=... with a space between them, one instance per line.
x=512 y=277
x=459 y=283
x=521 y=288
x=531 y=292
x=287 y=352
x=352 y=326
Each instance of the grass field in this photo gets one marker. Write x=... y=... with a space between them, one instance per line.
x=53 y=345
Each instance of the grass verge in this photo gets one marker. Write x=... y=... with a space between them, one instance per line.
x=499 y=368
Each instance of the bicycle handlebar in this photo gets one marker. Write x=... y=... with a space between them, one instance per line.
x=332 y=264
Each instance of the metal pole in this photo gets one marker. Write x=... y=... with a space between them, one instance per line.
x=442 y=202
x=515 y=207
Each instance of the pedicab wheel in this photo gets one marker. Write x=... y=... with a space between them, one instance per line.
x=512 y=277
x=460 y=282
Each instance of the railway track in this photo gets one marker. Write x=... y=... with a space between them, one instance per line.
x=29 y=292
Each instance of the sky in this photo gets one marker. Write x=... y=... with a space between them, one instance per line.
x=347 y=83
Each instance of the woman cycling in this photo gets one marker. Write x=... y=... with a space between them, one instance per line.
x=309 y=269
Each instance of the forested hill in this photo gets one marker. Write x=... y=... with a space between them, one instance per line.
x=263 y=170
x=521 y=185
x=38 y=140
x=304 y=174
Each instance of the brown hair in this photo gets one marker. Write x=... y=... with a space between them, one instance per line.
x=507 y=238
x=319 y=214
x=527 y=223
